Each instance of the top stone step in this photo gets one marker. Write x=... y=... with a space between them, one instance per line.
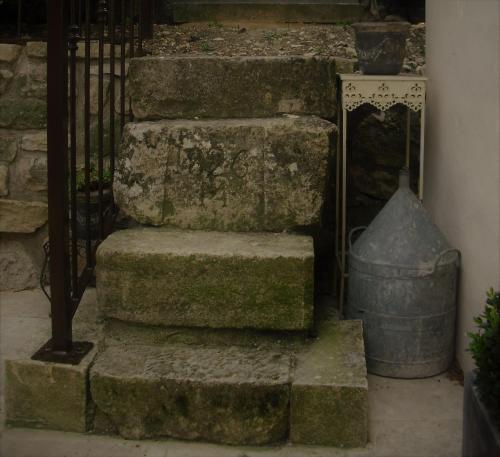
x=317 y=11
x=181 y=87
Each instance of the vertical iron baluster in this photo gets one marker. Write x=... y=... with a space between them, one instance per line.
x=73 y=46
x=140 y=29
x=123 y=42
x=131 y=29
x=86 y=122
x=100 y=116
x=57 y=173
x=112 y=87
x=132 y=48
x=19 y=17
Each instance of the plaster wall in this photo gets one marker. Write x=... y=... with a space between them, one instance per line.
x=463 y=145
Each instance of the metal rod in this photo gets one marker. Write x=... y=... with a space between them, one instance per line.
x=408 y=136
x=140 y=29
x=112 y=40
x=422 y=148
x=102 y=11
x=131 y=50
x=73 y=46
x=89 y=258
x=337 y=192
x=57 y=160
x=344 y=211
x=123 y=42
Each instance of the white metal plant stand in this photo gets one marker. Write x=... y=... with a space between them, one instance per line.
x=382 y=92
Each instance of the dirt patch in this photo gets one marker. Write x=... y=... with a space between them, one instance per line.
x=267 y=40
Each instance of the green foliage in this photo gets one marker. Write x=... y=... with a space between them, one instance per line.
x=485 y=349
x=94 y=179
x=215 y=24
x=205 y=47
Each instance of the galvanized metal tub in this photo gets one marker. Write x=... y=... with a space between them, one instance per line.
x=402 y=285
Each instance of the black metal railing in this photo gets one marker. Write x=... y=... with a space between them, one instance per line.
x=80 y=173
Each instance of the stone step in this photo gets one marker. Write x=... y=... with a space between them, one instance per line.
x=233 y=174
x=225 y=395
x=214 y=87
x=316 y=11
x=207 y=279
x=316 y=394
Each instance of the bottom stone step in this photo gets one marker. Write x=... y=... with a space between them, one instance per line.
x=313 y=394
x=226 y=395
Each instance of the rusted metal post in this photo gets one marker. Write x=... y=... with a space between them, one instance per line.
x=57 y=170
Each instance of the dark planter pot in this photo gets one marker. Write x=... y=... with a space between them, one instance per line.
x=82 y=230
x=381 y=46
x=481 y=436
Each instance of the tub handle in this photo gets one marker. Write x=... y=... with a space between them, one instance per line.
x=440 y=256
x=353 y=231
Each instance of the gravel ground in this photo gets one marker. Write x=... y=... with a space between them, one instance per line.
x=234 y=40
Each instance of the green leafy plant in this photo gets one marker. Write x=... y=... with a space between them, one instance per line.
x=94 y=179
x=205 y=47
x=485 y=349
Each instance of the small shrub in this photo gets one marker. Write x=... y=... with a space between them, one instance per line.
x=94 y=179
x=485 y=349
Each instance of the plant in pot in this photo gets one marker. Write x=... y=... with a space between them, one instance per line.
x=381 y=46
x=91 y=210
x=482 y=387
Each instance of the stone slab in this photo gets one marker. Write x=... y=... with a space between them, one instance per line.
x=23 y=113
x=9 y=52
x=238 y=175
x=17 y=216
x=48 y=395
x=329 y=399
x=315 y=12
x=207 y=279
x=224 y=395
x=237 y=87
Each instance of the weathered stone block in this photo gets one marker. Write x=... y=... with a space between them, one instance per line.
x=18 y=216
x=48 y=395
x=18 y=270
x=329 y=397
x=36 y=49
x=9 y=52
x=8 y=146
x=4 y=180
x=225 y=395
x=239 y=175
x=5 y=78
x=23 y=113
x=290 y=11
x=30 y=172
x=238 y=87
x=34 y=142
x=207 y=279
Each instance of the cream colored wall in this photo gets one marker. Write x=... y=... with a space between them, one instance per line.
x=463 y=144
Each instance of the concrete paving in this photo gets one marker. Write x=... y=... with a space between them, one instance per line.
x=408 y=418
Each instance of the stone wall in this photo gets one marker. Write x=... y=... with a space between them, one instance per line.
x=23 y=163
x=23 y=154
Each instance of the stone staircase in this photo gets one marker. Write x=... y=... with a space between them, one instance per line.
x=211 y=327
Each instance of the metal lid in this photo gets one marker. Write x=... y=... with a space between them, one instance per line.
x=402 y=235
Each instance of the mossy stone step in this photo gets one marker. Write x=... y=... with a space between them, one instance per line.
x=207 y=279
x=317 y=11
x=230 y=174
x=225 y=395
x=186 y=87
x=314 y=393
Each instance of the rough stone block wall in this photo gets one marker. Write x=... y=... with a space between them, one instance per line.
x=23 y=153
